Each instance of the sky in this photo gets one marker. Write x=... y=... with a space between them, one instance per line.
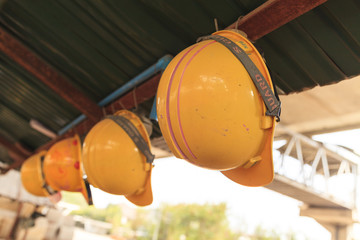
x=350 y=139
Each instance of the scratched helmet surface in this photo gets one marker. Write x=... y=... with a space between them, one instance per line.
x=63 y=167
x=211 y=113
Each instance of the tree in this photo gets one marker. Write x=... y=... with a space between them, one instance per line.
x=194 y=222
x=75 y=198
x=261 y=233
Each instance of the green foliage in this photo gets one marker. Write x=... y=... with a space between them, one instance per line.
x=73 y=198
x=194 y=222
x=261 y=233
x=111 y=214
x=174 y=222
x=144 y=224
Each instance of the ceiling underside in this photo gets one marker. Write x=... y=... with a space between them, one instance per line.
x=100 y=45
x=323 y=109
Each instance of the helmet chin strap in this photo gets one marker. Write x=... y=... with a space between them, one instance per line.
x=271 y=100
x=135 y=136
x=88 y=191
x=45 y=185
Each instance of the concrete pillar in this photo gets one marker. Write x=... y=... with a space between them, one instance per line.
x=338 y=221
x=339 y=232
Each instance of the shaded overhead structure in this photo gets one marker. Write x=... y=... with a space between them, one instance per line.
x=59 y=59
x=323 y=109
x=96 y=47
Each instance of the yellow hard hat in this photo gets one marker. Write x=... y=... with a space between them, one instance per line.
x=32 y=176
x=212 y=114
x=115 y=162
x=63 y=167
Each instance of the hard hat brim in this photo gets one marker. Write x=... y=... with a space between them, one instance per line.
x=260 y=174
x=146 y=197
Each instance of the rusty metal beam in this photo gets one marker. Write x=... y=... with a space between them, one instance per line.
x=14 y=49
x=17 y=155
x=22 y=149
x=272 y=15
x=142 y=93
x=12 y=148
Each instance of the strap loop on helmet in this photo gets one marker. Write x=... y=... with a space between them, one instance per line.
x=135 y=136
x=88 y=191
x=271 y=100
x=45 y=185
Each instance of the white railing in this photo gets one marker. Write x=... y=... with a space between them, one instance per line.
x=326 y=169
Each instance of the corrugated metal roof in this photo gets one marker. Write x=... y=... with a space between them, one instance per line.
x=100 y=45
x=27 y=97
x=4 y=156
x=319 y=48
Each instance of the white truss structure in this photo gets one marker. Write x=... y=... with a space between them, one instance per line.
x=317 y=166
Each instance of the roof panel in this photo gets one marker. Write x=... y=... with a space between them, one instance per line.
x=4 y=156
x=54 y=51
x=19 y=128
x=30 y=98
x=307 y=64
x=330 y=35
x=77 y=38
x=100 y=45
x=347 y=14
x=105 y=24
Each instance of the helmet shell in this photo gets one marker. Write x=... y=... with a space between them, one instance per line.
x=209 y=110
x=63 y=167
x=113 y=162
x=32 y=177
